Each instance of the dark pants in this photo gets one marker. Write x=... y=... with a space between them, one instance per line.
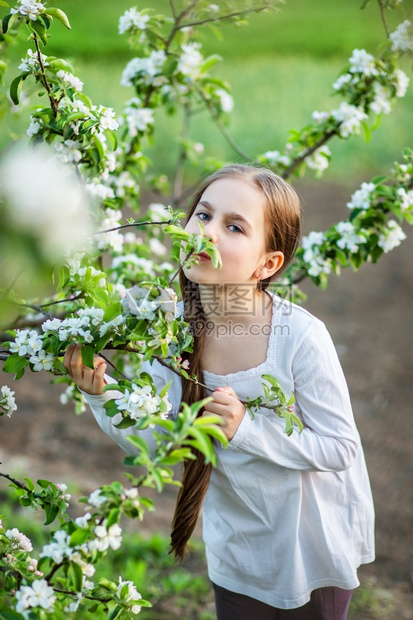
x=325 y=604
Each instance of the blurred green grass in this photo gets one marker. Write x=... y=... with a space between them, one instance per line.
x=281 y=67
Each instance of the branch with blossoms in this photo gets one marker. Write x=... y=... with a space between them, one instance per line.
x=127 y=310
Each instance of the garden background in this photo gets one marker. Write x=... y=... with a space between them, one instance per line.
x=281 y=68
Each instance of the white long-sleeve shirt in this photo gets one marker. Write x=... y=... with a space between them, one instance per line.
x=283 y=515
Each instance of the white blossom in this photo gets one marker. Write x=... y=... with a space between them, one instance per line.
x=83 y=521
x=106 y=538
x=70 y=80
x=140 y=402
x=149 y=67
x=158 y=211
x=391 y=237
x=362 y=62
x=342 y=80
x=29 y=8
x=122 y=182
x=128 y=593
x=190 y=62
x=69 y=151
x=157 y=247
x=27 y=342
x=107 y=118
x=96 y=498
x=39 y=594
x=275 y=157
x=313 y=256
x=381 y=103
x=320 y=117
x=42 y=361
x=101 y=191
x=59 y=548
x=137 y=119
x=18 y=540
x=31 y=62
x=350 y=118
x=401 y=82
x=132 y=19
x=402 y=37
x=349 y=237
x=44 y=200
x=7 y=400
x=361 y=197
x=319 y=159
x=33 y=128
x=406 y=198
x=226 y=102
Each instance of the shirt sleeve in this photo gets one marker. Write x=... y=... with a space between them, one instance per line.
x=160 y=376
x=330 y=440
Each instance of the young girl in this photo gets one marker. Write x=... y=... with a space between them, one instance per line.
x=286 y=520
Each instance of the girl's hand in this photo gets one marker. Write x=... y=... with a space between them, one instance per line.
x=87 y=379
x=227 y=405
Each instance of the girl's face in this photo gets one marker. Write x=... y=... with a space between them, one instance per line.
x=232 y=212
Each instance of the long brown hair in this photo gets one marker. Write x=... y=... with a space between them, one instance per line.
x=282 y=224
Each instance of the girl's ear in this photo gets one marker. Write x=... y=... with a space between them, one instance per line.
x=272 y=264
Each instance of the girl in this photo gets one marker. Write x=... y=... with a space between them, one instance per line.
x=286 y=520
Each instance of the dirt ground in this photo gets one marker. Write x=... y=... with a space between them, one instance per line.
x=369 y=316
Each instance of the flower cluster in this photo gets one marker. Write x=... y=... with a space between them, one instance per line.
x=361 y=197
x=18 y=540
x=313 y=255
x=133 y=20
x=350 y=118
x=140 y=402
x=147 y=68
x=87 y=325
x=38 y=595
x=31 y=64
x=127 y=593
x=402 y=37
x=350 y=238
x=139 y=302
x=391 y=237
x=29 y=9
x=7 y=401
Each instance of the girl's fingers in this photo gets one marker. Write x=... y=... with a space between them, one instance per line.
x=99 y=376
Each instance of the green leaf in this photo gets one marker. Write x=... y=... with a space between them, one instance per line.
x=30 y=484
x=139 y=443
x=79 y=536
x=39 y=29
x=88 y=354
x=59 y=15
x=5 y=22
x=113 y=517
x=113 y=139
x=51 y=513
x=14 y=363
x=125 y=423
x=9 y=614
x=77 y=576
x=210 y=62
x=367 y=131
x=165 y=389
x=14 y=89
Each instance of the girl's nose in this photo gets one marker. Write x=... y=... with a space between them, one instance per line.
x=211 y=231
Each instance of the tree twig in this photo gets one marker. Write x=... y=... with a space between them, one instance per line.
x=53 y=102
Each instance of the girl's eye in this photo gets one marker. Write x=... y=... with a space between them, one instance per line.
x=201 y=215
x=235 y=228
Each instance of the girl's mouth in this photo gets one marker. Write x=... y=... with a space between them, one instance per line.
x=203 y=256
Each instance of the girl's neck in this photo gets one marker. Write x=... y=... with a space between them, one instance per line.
x=243 y=303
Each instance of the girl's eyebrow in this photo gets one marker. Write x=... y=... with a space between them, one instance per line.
x=232 y=215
